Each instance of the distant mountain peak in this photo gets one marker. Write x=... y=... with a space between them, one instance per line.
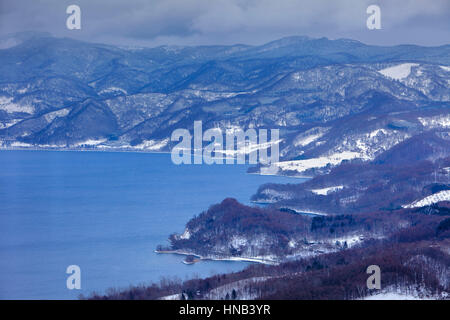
x=347 y=40
x=286 y=41
x=26 y=35
x=14 y=39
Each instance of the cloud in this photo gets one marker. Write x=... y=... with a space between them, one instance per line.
x=192 y=22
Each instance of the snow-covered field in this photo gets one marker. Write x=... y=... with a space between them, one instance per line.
x=434 y=198
x=7 y=104
x=152 y=145
x=238 y=286
x=363 y=145
x=436 y=122
x=394 y=296
x=310 y=136
x=113 y=89
x=325 y=191
x=320 y=162
x=351 y=240
x=49 y=117
x=404 y=293
x=398 y=72
x=176 y=296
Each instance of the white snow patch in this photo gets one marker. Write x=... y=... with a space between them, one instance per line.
x=434 y=198
x=445 y=68
x=309 y=136
x=325 y=191
x=7 y=124
x=212 y=95
x=113 y=89
x=398 y=72
x=272 y=195
x=405 y=293
x=237 y=241
x=296 y=76
x=441 y=121
x=23 y=90
x=90 y=142
x=307 y=211
x=20 y=144
x=186 y=235
x=247 y=147
x=259 y=259
x=239 y=286
x=176 y=296
x=376 y=132
x=372 y=143
x=7 y=105
x=152 y=145
x=393 y=296
x=307 y=140
x=320 y=162
x=351 y=240
x=52 y=145
x=49 y=117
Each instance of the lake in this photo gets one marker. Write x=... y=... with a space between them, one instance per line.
x=105 y=212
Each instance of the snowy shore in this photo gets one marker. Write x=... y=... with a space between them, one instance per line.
x=262 y=260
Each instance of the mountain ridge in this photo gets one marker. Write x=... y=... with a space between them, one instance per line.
x=294 y=84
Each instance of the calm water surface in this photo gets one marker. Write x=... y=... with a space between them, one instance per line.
x=105 y=212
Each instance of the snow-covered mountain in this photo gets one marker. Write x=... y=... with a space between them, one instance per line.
x=333 y=100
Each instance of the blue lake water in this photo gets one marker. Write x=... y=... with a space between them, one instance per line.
x=105 y=212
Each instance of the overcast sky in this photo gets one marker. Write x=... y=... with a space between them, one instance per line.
x=197 y=22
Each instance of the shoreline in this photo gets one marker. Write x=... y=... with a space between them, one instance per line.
x=125 y=150
x=112 y=150
x=279 y=175
x=306 y=212
x=297 y=211
x=200 y=258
